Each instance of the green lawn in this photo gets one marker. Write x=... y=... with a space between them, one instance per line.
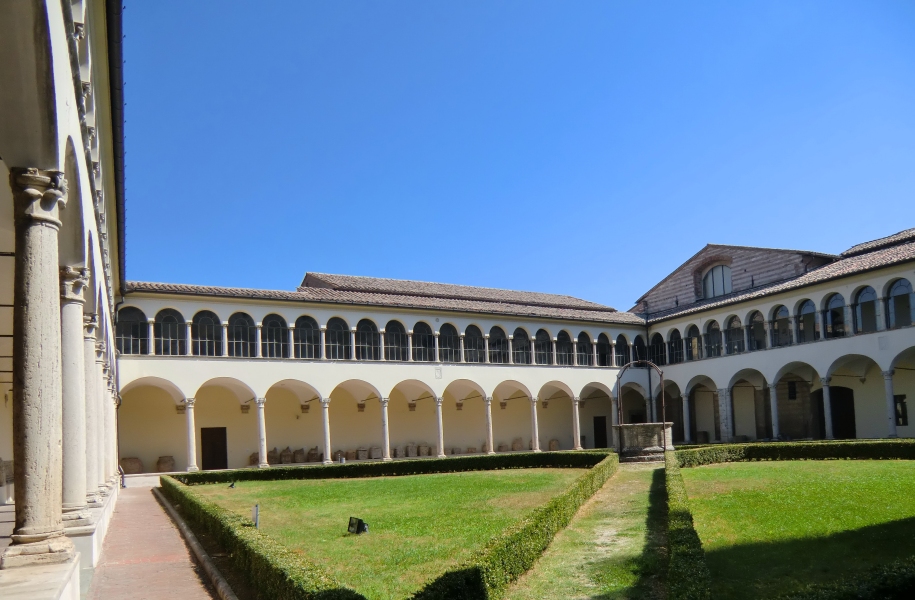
x=419 y=526
x=769 y=528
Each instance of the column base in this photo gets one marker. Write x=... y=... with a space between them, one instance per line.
x=192 y=469
x=893 y=436
x=491 y=452
x=77 y=519
x=386 y=459
x=536 y=450
x=51 y=551
x=577 y=448
x=328 y=462
x=441 y=456
x=263 y=465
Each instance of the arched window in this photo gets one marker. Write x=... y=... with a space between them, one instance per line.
x=757 y=331
x=368 y=341
x=781 y=327
x=449 y=344
x=498 y=346
x=717 y=282
x=543 y=348
x=307 y=338
x=170 y=332
x=675 y=347
x=866 y=311
x=622 y=350
x=808 y=330
x=712 y=339
x=693 y=343
x=585 y=350
x=834 y=317
x=274 y=337
x=423 y=343
x=521 y=347
x=241 y=336
x=206 y=334
x=604 y=355
x=132 y=331
x=899 y=305
x=639 y=350
x=564 y=349
x=656 y=350
x=395 y=342
x=337 y=338
x=733 y=336
x=474 y=345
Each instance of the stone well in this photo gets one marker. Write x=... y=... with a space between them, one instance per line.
x=644 y=442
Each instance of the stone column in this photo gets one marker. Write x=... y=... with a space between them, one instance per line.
x=486 y=347
x=533 y=351
x=188 y=339
x=325 y=412
x=462 y=348
x=381 y=338
x=438 y=355
x=225 y=338
x=441 y=428
x=111 y=459
x=614 y=420
x=323 y=343
x=849 y=320
x=576 y=425
x=410 y=346
x=631 y=351
x=613 y=353
x=594 y=352
x=827 y=408
x=73 y=369
x=352 y=343
x=385 y=430
x=191 y=435
x=291 y=341
x=102 y=406
x=535 y=429
x=555 y=359
x=511 y=350
x=261 y=433
x=490 y=448
x=890 y=404
x=575 y=352
x=38 y=533
x=687 y=425
x=724 y=414
x=649 y=417
x=93 y=431
x=258 y=328
x=880 y=310
x=773 y=409
x=151 y=349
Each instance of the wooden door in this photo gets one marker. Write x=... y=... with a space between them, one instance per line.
x=600 y=432
x=213 y=448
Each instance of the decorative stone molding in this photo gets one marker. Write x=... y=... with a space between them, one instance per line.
x=86 y=89
x=73 y=282
x=38 y=195
x=90 y=326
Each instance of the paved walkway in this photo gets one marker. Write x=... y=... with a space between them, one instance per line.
x=144 y=556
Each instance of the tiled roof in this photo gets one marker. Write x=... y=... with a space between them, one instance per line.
x=377 y=285
x=362 y=298
x=892 y=240
x=858 y=263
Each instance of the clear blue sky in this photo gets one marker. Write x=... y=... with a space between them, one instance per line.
x=584 y=148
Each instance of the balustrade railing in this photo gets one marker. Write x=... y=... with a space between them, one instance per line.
x=543 y=352
x=474 y=349
x=564 y=354
x=242 y=340
x=307 y=343
x=521 y=352
x=338 y=344
x=275 y=342
x=498 y=351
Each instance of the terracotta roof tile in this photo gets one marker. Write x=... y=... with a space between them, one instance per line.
x=891 y=240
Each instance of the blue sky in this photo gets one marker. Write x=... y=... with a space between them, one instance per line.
x=584 y=148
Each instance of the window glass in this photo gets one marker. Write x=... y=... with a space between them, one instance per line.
x=900 y=304
x=866 y=311
x=717 y=281
x=807 y=327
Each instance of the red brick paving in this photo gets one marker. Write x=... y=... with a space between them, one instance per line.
x=144 y=556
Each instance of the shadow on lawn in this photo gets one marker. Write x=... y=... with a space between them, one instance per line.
x=765 y=570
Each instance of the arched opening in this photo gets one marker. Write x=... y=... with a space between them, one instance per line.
x=705 y=418
x=474 y=345
x=338 y=340
x=368 y=341
x=656 y=350
x=242 y=336
x=355 y=420
x=622 y=350
x=206 y=334
x=170 y=332
x=669 y=408
x=751 y=412
x=902 y=380
x=395 y=342
x=757 y=331
x=412 y=419
x=781 y=327
x=152 y=424
x=834 y=317
x=511 y=417
x=464 y=417
x=423 y=343
x=132 y=331
x=498 y=346
x=634 y=405
x=865 y=310
x=604 y=351
x=521 y=347
x=899 y=304
x=799 y=410
x=543 y=348
x=733 y=336
x=554 y=416
x=449 y=344
x=564 y=348
x=712 y=339
x=307 y=338
x=274 y=337
x=808 y=330
x=596 y=418
x=225 y=416
x=639 y=349
x=585 y=350
x=675 y=348
x=693 y=343
x=294 y=421
x=857 y=397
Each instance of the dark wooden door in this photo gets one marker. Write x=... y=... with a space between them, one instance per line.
x=600 y=432
x=213 y=447
x=842 y=401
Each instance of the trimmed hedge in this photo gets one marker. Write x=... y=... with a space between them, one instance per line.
x=887 y=582
x=852 y=449
x=454 y=464
x=688 y=576
x=487 y=574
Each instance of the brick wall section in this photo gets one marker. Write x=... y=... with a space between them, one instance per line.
x=750 y=267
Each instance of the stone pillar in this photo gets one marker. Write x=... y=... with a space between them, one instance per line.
x=438 y=355
x=631 y=351
x=535 y=429
x=649 y=416
x=594 y=352
x=555 y=359
x=462 y=348
x=773 y=409
x=352 y=343
x=38 y=533
x=258 y=328
x=102 y=412
x=73 y=369
x=533 y=352
x=614 y=420
x=880 y=310
x=410 y=346
x=827 y=408
x=724 y=415
x=575 y=352
x=385 y=430
x=291 y=341
x=191 y=435
x=511 y=350
x=323 y=343
x=490 y=448
x=225 y=338
x=849 y=320
x=325 y=412
x=261 y=433
x=188 y=339
x=613 y=353
x=890 y=404
x=441 y=428
x=576 y=425
x=687 y=425
x=151 y=348
x=381 y=339
x=111 y=460
x=486 y=347
x=93 y=431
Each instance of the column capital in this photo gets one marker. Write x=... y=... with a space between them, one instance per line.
x=825 y=380
x=436 y=333
x=90 y=326
x=325 y=401
x=461 y=335
x=259 y=325
x=685 y=395
x=724 y=391
x=188 y=323
x=771 y=386
x=189 y=402
x=260 y=401
x=38 y=195
x=385 y=401
x=487 y=400
x=888 y=374
x=381 y=331
x=576 y=399
x=323 y=328
x=439 y=400
x=534 y=399
x=73 y=282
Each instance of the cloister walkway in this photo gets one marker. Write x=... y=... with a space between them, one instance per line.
x=614 y=548
x=144 y=556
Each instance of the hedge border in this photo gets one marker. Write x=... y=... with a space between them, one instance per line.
x=280 y=573
x=832 y=450
x=688 y=576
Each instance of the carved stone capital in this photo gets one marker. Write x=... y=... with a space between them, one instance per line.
x=90 y=326
x=825 y=380
x=86 y=89
x=38 y=195
x=73 y=282
x=888 y=374
x=439 y=400
x=189 y=402
x=325 y=402
x=260 y=401
x=385 y=401
x=79 y=31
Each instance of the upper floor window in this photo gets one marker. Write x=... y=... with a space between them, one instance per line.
x=368 y=341
x=675 y=347
x=242 y=336
x=713 y=339
x=622 y=350
x=866 y=311
x=206 y=334
x=274 y=337
x=543 y=348
x=449 y=344
x=604 y=358
x=734 y=336
x=639 y=350
x=170 y=332
x=474 y=345
x=717 y=282
x=656 y=350
x=521 y=347
x=693 y=343
x=498 y=346
x=423 y=343
x=808 y=330
x=132 y=331
x=781 y=327
x=835 y=317
x=757 y=331
x=564 y=349
x=307 y=338
x=900 y=305
x=585 y=349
